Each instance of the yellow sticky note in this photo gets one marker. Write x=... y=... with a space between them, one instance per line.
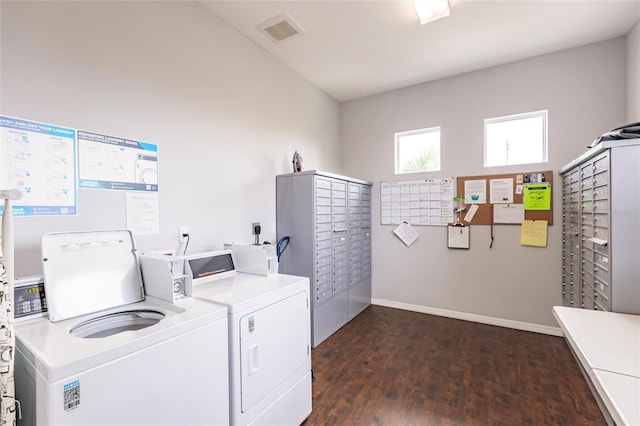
x=533 y=233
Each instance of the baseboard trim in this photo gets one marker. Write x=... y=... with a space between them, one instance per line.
x=518 y=325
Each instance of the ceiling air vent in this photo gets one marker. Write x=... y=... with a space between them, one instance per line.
x=281 y=28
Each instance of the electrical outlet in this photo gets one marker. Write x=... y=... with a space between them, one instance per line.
x=253 y=227
x=183 y=233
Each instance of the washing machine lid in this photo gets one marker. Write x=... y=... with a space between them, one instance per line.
x=87 y=272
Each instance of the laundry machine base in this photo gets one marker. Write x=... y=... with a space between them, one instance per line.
x=294 y=405
x=159 y=384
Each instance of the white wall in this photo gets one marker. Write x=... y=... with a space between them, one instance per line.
x=584 y=91
x=633 y=74
x=226 y=115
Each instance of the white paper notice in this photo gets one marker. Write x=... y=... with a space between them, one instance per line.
x=475 y=191
x=471 y=213
x=143 y=213
x=406 y=233
x=508 y=213
x=501 y=191
x=519 y=188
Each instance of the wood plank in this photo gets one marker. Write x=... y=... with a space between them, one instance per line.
x=394 y=367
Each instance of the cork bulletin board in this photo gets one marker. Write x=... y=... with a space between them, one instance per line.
x=484 y=214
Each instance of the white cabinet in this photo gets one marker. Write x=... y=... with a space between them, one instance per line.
x=328 y=220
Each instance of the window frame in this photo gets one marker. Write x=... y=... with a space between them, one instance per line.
x=398 y=135
x=544 y=114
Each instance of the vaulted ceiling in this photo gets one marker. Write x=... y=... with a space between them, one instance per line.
x=355 y=48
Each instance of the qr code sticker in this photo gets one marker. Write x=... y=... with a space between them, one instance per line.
x=71 y=395
x=252 y=324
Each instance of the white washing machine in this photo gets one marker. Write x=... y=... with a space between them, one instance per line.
x=269 y=339
x=105 y=356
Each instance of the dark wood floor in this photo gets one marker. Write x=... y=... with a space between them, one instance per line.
x=394 y=367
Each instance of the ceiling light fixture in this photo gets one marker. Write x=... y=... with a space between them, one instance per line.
x=430 y=10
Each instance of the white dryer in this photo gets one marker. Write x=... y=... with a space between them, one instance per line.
x=105 y=356
x=269 y=339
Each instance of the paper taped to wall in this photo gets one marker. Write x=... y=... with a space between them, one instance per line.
x=534 y=233
x=406 y=233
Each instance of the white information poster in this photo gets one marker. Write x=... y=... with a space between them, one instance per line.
x=39 y=160
x=475 y=191
x=501 y=190
x=508 y=213
x=418 y=202
x=143 y=213
x=109 y=162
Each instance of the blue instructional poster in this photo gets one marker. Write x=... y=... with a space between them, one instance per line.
x=109 y=162
x=39 y=160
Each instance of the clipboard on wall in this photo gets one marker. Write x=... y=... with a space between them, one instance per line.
x=458 y=237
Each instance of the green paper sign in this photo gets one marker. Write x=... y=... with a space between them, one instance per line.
x=537 y=196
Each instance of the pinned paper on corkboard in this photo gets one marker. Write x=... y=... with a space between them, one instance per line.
x=537 y=196
x=485 y=192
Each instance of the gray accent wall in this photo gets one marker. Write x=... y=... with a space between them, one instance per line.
x=225 y=115
x=584 y=90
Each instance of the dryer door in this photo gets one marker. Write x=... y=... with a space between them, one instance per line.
x=274 y=345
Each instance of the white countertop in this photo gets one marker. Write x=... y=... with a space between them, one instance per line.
x=608 y=346
x=621 y=395
x=609 y=341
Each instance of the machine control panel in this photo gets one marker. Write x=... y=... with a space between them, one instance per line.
x=29 y=299
x=214 y=264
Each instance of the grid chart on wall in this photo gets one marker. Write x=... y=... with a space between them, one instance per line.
x=418 y=202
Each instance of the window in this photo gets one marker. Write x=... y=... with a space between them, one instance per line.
x=418 y=151
x=515 y=139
